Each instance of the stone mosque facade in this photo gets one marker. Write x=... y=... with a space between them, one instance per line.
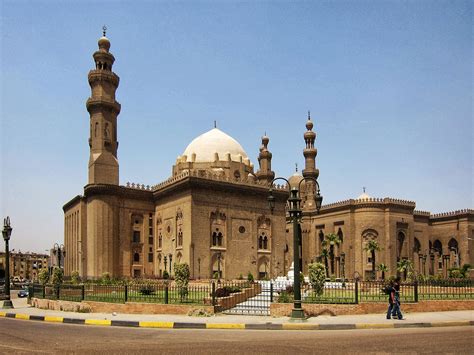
x=212 y=213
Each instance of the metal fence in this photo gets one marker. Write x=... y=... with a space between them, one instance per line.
x=242 y=297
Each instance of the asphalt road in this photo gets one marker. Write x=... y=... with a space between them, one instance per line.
x=17 y=336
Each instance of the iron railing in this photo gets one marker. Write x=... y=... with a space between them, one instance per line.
x=253 y=297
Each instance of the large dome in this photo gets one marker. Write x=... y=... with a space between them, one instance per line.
x=215 y=141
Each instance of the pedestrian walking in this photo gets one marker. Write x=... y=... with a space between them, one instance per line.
x=396 y=311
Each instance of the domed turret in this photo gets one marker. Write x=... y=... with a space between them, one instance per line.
x=217 y=152
x=364 y=195
x=104 y=43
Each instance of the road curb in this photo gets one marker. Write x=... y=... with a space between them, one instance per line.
x=243 y=326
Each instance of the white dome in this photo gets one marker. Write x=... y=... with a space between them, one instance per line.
x=215 y=141
x=363 y=196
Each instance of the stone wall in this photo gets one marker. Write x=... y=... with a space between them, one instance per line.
x=284 y=309
x=129 y=307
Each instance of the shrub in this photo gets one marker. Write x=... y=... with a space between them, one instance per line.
x=215 y=276
x=240 y=277
x=222 y=292
x=166 y=275
x=289 y=289
x=250 y=277
x=106 y=279
x=75 y=278
x=181 y=276
x=43 y=276
x=232 y=289
x=317 y=275
x=285 y=297
x=57 y=278
x=147 y=289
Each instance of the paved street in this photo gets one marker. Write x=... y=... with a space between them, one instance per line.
x=32 y=337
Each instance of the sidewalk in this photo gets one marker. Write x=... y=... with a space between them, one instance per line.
x=220 y=321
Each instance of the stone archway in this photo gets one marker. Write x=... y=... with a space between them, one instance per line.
x=263 y=268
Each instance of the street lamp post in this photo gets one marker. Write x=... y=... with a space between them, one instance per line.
x=60 y=252
x=294 y=210
x=199 y=268
x=7 y=231
x=343 y=263
x=165 y=262
x=171 y=258
x=219 y=268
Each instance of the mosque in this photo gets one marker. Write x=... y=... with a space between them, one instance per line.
x=212 y=213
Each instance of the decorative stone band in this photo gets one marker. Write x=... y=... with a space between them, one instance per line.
x=100 y=102
x=103 y=75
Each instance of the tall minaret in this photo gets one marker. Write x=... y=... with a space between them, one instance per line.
x=265 y=172
x=103 y=110
x=310 y=170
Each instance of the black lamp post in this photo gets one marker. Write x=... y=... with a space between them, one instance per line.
x=171 y=258
x=60 y=253
x=294 y=210
x=219 y=268
x=343 y=263
x=199 y=268
x=165 y=260
x=7 y=231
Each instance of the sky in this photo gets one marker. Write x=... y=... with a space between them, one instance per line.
x=388 y=83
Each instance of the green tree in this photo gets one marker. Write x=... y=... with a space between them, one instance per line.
x=75 y=278
x=383 y=268
x=317 y=275
x=106 y=279
x=181 y=277
x=372 y=246
x=331 y=240
x=57 y=279
x=43 y=276
x=324 y=255
x=406 y=267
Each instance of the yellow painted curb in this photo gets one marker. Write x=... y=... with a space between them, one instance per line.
x=450 y=323
x=3 y=314
x=156 y=324
x=225 y=326
x=97 y=322
x=22 y=316
x=374 y=326
x=295 y=326
x=53 y=319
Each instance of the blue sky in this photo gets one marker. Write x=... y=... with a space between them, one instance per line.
x=389 y=85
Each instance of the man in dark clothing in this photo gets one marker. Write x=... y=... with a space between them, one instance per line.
x=394 y=300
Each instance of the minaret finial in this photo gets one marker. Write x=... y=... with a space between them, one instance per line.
x=296 y=166
x=215 y=124
x=309 y=115
x=104 y=29
x=363 y=188
x=265 y=133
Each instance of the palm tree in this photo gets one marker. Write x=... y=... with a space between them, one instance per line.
x=325 y=254
x=332 y=240
x=382 y=267
x=372 y=246
x=405 y=266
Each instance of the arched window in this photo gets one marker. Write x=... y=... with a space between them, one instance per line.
x=321 y=236
x=214 y=239
x=453 y=245
x=400 y=241
x=160 y=241
x=260 y=242
x=340 y=235
x=220 y=238
x=136 y=257
x=265 y=242
x=416 y=246
x=438 y=247
x=180 y=238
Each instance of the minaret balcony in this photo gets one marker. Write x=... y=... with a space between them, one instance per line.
x=103 y=75
x=98 y=103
